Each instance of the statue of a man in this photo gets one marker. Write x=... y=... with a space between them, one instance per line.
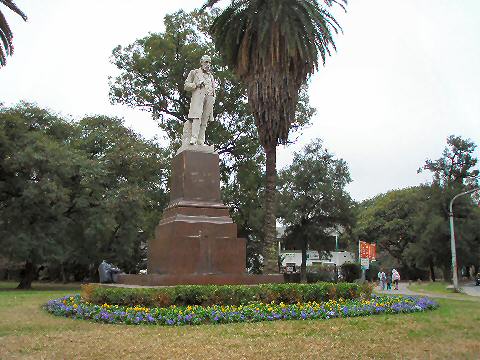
x=202 y=85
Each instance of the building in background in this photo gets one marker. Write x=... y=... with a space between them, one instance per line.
x=290 y=254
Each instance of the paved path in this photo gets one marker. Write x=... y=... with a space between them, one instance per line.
x=470 y=289
x=402 y=289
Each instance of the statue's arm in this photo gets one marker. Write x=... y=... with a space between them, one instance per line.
x=190 y=82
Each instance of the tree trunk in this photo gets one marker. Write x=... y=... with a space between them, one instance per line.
x=432 y=271
x=447 y=274
x=303 y=267
x=26 y=282
x=63 y=274
x=269 y=227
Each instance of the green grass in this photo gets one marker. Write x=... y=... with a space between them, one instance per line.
x=437 y=287
x=26 y=331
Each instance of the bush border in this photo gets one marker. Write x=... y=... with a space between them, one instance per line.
x=207 y=295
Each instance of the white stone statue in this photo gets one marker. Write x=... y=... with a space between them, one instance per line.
x=202 y=85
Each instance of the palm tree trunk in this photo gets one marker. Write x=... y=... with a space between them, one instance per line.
x=269 y=228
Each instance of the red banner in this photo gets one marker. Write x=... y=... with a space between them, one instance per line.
x=364 y=249
x=368 y=251
x=372 y=252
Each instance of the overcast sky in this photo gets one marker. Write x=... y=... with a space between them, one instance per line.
x=405 y=76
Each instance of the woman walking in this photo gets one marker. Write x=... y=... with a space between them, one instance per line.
x=395 y=278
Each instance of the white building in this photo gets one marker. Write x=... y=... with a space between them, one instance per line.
x=292 y=259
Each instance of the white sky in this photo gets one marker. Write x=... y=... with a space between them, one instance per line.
x=406 y=75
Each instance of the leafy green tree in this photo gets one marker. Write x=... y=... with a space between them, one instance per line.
x=457 y=167
x=72 y=194
x=130 y=190
x=152 y=72
x=36 y=167
x=412 y=225
x=273 y=46
x=456 y=171
x=313 y=199
x=389 y=220
x=6 y=35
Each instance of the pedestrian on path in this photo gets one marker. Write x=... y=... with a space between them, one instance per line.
x=389 y=282
x=395 y=278
x=382 y=277
x=379 y=276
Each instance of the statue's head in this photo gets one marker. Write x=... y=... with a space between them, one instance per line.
x=205 y=63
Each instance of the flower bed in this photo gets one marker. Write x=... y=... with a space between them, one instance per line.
x=75 y=307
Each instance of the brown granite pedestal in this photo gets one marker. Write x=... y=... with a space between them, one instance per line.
x=196 y=240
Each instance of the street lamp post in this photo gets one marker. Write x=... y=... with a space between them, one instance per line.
x=452 y=237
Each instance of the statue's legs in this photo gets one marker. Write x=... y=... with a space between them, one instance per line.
x=206 y=114
x=195 y=131
x=187 y=132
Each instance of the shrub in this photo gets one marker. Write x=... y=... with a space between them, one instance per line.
x=351 y=271
x=207 y=295
x=312 y=277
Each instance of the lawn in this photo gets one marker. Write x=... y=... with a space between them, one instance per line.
x=27 y=331
x=437 y=287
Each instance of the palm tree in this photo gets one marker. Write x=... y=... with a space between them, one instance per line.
x=274 y=47
x=6 y=35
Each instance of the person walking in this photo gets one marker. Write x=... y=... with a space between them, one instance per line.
x=389 y=281
x=395 y=278
x=383 y=279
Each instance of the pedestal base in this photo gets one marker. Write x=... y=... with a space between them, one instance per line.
x=196 y=235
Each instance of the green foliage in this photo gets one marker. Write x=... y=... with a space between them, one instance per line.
x=412 y=225
x=455 y=172
x=311 y=277
x=6 y=35
x=313 y=199
x=350 y=271
x=389 y=221
x=273 y=46
x=457 y=166
x=37 y=169
x=222 y=294
x=72 y=194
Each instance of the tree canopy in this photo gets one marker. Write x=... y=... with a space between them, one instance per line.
x=74 y=193
x=313 y=200
x=412 y=225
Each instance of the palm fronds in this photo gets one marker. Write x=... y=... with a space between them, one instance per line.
x=274 y=46
x=6 y=35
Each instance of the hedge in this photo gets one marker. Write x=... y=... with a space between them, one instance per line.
x=206 y=295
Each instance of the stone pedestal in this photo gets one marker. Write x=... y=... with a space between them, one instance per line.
x=196 y=240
